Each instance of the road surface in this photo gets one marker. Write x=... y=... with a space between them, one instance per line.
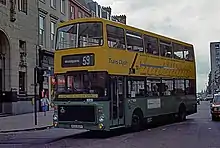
x=198 y=131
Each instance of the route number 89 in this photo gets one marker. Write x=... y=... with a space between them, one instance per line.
x=86 y=60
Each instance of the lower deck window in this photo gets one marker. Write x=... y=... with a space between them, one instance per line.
x=136 y=88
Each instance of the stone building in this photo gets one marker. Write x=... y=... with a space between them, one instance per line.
x=18 y=43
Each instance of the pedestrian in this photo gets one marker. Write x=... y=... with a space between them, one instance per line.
x=45 y=104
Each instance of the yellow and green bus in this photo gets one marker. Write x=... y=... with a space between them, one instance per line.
x=110 y=75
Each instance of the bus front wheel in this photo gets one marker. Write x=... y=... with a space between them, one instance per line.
x=137 y=121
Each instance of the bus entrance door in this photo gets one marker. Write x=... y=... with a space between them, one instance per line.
x=117 y=100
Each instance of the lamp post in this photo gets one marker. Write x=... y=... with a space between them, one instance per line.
x=35 y=95
x=38 y=78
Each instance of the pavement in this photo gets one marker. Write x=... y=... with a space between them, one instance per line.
x=198 y=131
x=25 y=122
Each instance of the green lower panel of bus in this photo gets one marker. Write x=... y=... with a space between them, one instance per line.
x=104 y=115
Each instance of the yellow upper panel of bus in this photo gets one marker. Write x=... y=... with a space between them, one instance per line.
x=123 y=62
x=105 y=21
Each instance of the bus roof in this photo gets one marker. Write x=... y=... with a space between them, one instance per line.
x=90 y=19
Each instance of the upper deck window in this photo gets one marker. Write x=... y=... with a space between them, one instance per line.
x=80 y=35
x=67 y=37
x=90 y=34
x=165 y=48
x=188 y=53
x=151 y=45
x=134 y=41
x=178 y=51
x=116 y=37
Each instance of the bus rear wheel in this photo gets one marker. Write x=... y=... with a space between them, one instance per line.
x=213 y=118
x=182 y=114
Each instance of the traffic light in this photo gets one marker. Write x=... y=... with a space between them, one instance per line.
x=40 y=75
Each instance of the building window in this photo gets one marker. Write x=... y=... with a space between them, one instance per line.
x=52 y=34
x=62 y=6
x=116 y=37
x=80 y=14
x=22 y=76
x=23 y=53
x=42 y=30
x=72 y=12
x=53 y=3
x=134 y=41
x=93 y=14
x=3 y=2
x=22 y=5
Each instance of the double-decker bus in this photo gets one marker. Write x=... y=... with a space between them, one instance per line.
x=110 y=75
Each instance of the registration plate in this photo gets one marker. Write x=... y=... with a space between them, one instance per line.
x=76 y=126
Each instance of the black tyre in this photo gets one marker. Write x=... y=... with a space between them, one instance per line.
x=182 y=114
x=137 y=121
x=213 y=118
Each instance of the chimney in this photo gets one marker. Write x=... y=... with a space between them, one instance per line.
x=121 y=18
x=108 y=9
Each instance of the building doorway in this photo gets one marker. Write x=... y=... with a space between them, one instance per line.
x=4 y=65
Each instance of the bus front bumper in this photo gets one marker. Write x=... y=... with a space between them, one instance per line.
x=86 y=126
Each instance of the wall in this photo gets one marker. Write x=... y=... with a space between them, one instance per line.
x=79 y=7
x=52 y=14
x=20 y=30
x=215 y=61
x=20 y=107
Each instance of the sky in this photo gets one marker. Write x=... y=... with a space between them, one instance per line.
x=193 y=21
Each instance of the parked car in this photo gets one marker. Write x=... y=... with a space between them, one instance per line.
x=209 y=97
x=215 y=107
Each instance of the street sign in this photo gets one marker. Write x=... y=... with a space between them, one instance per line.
x=48 y=72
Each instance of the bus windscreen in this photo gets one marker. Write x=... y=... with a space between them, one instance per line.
x=79 y=35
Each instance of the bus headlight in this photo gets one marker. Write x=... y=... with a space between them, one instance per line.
x=101 y=126
x=101 y=118
x=100 y=110
x=55 y=117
